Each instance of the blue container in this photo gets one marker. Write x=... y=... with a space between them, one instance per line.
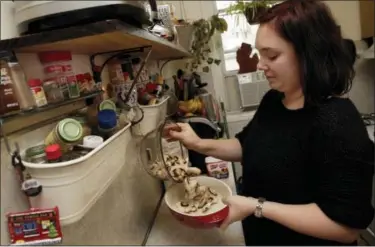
x=107 y=119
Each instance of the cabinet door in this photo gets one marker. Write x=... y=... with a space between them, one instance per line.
x=366 y=13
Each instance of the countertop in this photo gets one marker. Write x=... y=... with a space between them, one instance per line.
x=168 y=231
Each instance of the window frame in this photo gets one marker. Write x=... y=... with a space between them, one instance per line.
x=231 y=52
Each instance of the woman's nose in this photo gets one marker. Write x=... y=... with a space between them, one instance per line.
x=261 y=65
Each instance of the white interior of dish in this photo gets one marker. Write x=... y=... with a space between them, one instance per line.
x=176 y=193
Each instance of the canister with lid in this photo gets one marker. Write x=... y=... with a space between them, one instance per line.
x=107 y=104
x=86 y=130
x=53 y=153
x=36 y=154
x=107 y=122
x=66 y=133
x=92 y=141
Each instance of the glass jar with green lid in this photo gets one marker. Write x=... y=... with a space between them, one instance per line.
x=66 y=133
x=86 y=128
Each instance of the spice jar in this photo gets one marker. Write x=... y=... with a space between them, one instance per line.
x=52 y=91
x=66 y=133
x=58 y=66
x=38 y=92
x=53 y=153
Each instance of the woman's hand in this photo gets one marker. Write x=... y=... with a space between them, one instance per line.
x=240 y=207
x=182 y=132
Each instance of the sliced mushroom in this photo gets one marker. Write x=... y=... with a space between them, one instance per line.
x=193 y=171
x=212 y=192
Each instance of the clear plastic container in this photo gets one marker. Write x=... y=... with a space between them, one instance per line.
x=58 y=66
x=164 y=160
x=21 y=89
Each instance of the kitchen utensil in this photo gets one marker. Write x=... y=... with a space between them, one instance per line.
x=213 y=217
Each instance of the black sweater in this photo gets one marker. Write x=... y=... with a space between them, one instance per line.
x=319 y=155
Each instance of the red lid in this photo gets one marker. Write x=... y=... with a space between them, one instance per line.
x=80 y=77
x=88 y=76
x=54 y=56
x=53 y=152
x=34 y=83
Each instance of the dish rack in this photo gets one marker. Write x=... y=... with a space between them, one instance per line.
x=154 y=115
x=74 y=186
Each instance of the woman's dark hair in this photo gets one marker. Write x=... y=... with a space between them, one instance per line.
x=326 y=64
x=350 y=46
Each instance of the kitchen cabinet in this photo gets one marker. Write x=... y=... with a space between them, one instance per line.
x=366 y=15
x=356 y=18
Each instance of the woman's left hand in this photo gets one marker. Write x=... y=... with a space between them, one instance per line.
x=239 y=208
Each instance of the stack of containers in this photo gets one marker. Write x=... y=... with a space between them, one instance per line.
x=107 y=123
x=58 y=67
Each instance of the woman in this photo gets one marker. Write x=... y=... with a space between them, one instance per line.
x=306 y=155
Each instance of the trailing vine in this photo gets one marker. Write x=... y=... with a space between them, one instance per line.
x=250 y=9
x=204 y=30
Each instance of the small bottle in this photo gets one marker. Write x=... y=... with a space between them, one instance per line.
x=53 y=153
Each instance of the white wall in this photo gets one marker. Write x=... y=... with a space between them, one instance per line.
x=8 y=29
x=194 y=10
x=346 y=14
x=363 y=89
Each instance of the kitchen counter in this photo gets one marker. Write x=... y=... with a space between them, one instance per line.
x=168 y=231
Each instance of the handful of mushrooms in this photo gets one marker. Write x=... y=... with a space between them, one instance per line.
x=177 y=168
x=198 y=198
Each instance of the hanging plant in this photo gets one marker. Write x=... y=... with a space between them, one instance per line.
x=204 y=30
x=252 y=10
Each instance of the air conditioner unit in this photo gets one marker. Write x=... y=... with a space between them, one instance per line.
x=252 y=87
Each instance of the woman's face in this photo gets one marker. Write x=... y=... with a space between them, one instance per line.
x=278 y=60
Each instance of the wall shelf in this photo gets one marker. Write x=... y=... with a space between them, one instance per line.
x=103 y=36
x=48 y=107
x=20 y=120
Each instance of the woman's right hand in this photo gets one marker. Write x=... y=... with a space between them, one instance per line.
x=182 y=132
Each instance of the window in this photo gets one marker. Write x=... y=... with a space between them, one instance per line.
x=238 y=31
